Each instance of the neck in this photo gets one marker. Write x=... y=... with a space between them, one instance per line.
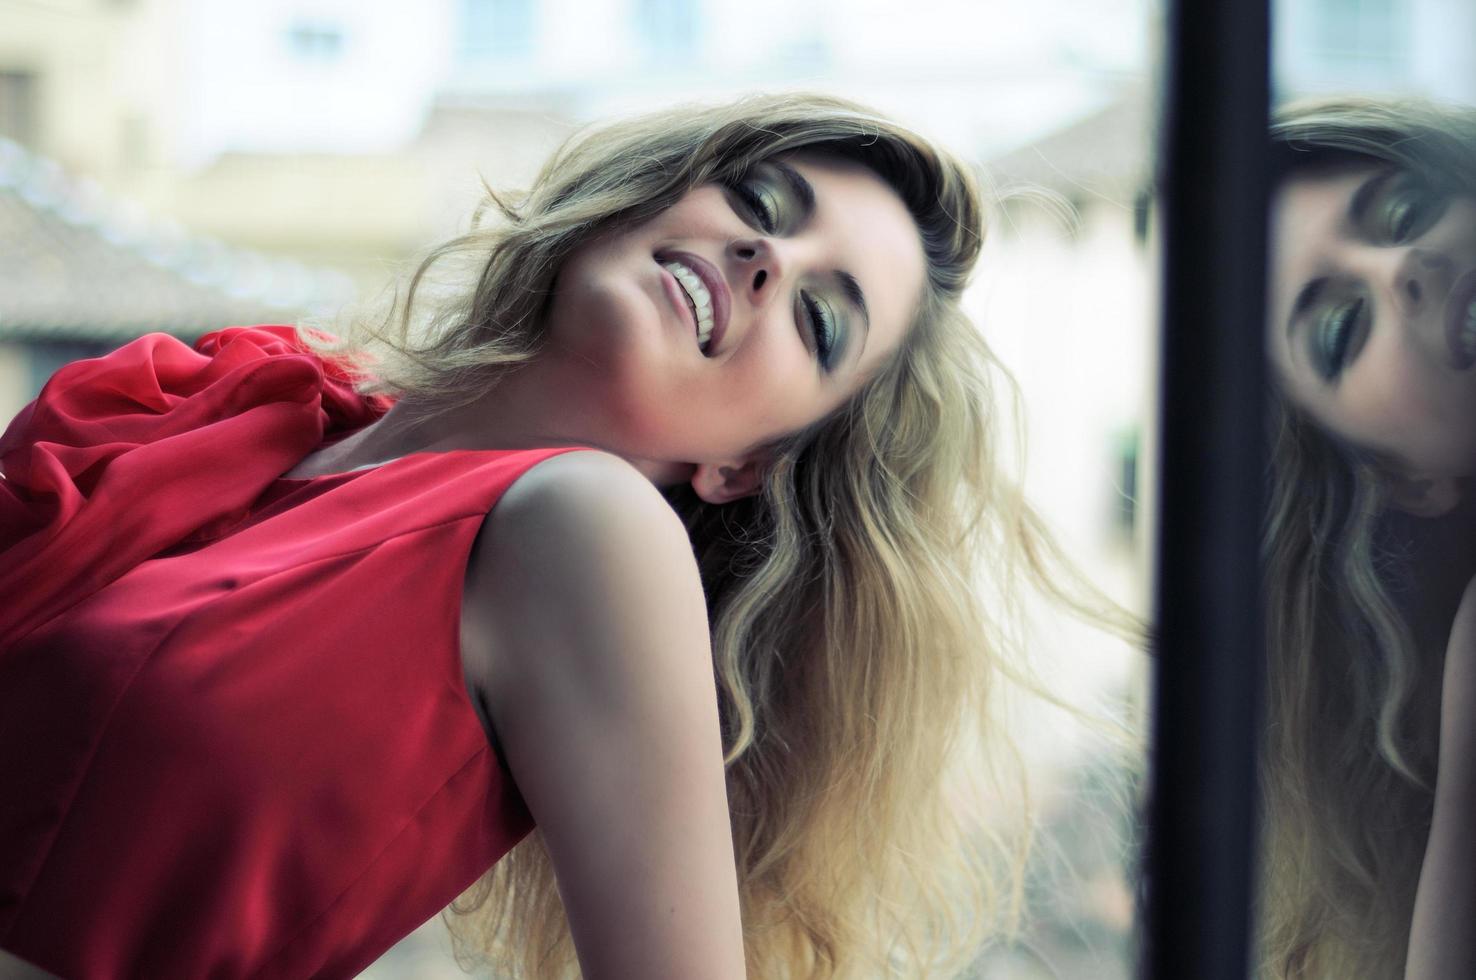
x=523 y=410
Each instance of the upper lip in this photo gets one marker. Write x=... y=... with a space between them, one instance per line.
x=1457 y=303
x=717 y=287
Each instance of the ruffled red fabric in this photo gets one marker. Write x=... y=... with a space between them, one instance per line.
x=236 y=738
x=119 y=456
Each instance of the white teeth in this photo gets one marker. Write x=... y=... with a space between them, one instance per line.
x=1468 y=332
x=698 y=298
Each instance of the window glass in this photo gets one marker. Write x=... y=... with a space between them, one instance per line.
x=1370 y=540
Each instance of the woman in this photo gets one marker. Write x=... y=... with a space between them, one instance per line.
x=712 y=373
x=1368 y=757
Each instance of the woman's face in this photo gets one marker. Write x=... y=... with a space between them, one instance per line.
x=1372 y=315
x=738 y=314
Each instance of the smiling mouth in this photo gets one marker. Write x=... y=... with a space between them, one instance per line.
x=699 y=300
x=1460 y=321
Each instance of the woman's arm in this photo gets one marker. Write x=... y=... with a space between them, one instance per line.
x=588 y=639
x=1442 y=939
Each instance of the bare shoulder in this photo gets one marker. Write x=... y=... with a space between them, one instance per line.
x=588 y=497
x=1466 y=612
x=582 y=546
x=596 y=672
x=584 y=514
x=1461 y=646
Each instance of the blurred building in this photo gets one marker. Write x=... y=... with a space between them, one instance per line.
x=351 y=134
x=1411 y=46
x=1067 y=296
x=82 y=273
x=1069 y=277
x=348 y=136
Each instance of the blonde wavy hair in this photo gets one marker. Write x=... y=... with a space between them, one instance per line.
x=1353 y=699
x=853 y=653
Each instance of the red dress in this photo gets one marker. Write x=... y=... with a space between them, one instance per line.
x=235 y=739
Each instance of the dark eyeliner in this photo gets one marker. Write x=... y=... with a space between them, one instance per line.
x=1407 y=206
x=822 y=328
x=758 y=205
x=1335 y=336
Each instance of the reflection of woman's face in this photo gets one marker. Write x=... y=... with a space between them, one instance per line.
x=1372 y=313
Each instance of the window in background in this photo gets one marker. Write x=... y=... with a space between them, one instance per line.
x=317 y=41
x=18 y=107
x=668 y=29
x=1367 y=36
x=133 y=141
x=496 y=30
x=1343 y=45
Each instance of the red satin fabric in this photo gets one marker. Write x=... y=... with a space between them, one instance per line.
x=235 y=740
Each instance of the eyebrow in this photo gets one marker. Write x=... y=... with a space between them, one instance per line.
x=857 y=297
x=1304 y=301
x=799 y=187
x=1362 y=198
x=804 y=194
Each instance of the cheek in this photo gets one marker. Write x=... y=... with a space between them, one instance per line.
x=1394 y=389
x=1453 y=430
x=602 y=290
x=580 y=276
x=1461 y=219
x=700 y=212
x=770 y=386
x=1424 y=415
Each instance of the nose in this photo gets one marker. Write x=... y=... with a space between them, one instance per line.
x=1421 y=280
x=759 y=268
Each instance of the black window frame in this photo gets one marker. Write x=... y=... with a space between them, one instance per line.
x=1213 y=174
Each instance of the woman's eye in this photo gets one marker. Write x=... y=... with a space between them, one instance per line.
x=760 y=205
x=1336 y=334
x=1409 y=207
x=822 y=328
